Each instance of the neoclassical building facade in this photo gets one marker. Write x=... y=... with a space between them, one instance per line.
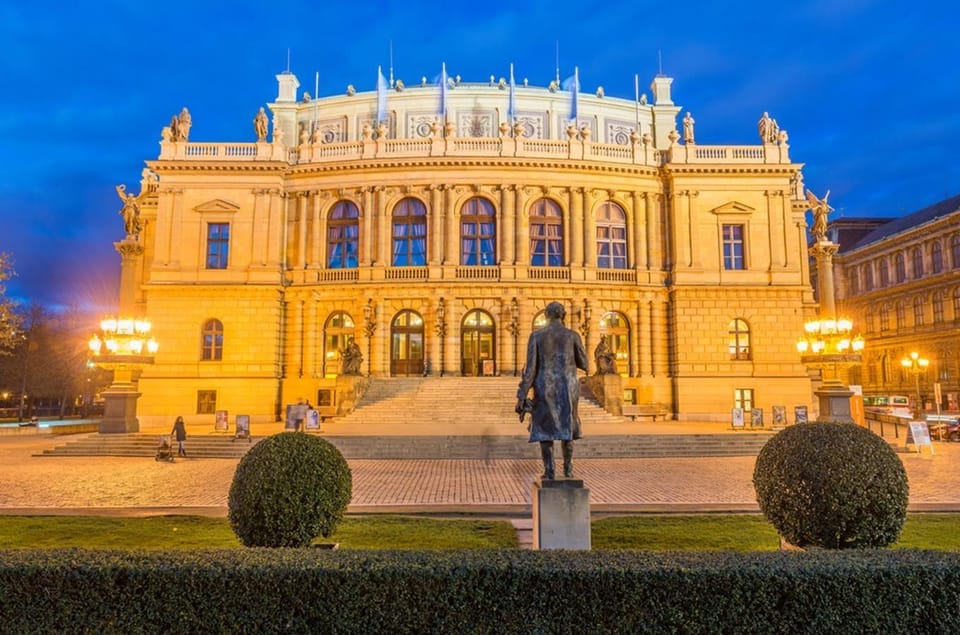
x=901 y=282
x=434 y=242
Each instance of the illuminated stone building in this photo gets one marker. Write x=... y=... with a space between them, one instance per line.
x=901 y=282
x=434 y=242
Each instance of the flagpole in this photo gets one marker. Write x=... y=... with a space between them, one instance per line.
x=391 y=63
x=636 y=97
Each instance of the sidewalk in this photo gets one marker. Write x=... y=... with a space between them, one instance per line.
x=135 y=486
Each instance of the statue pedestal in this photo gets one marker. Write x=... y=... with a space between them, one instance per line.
x=350 y=389
x=561 y=514
x=608 y=391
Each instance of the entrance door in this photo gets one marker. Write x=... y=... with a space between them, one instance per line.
x=477 y=350
x=406 y=344
x=615 y=328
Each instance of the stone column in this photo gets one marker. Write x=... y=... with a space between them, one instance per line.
x=523 y=226
x=576 y=225
x=775 y=229
x=660 y=363
x=508 y=255
x=590 y=229
x=638 y=251
x=654 y=232
x=435 y=230
x=278 y=219
x=384 y=229
x=176 y=228
x=366 y=238
x=450 y=228
x=302 y=229
x=317 y=235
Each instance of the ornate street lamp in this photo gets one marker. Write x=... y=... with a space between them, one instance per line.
x=369 y=328
x=916 y=365
x=123 y=345
x=441 y=327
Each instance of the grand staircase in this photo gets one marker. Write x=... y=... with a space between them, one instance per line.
x=448 y=418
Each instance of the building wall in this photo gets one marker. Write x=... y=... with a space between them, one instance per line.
x=675 y=298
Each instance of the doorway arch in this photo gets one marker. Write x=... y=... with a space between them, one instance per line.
x=406 y=344
x=616 y=329
x=477 y=344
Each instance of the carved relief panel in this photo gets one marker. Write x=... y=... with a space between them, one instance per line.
x=477 y=123
x=618 y=132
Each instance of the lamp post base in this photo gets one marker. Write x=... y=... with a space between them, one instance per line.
x=120 y=409
x=834 y=403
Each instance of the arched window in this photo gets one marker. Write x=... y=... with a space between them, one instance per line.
x=854 y=276
x=938 y=298
x=211 y=341
x=343 y=236
x=409 y=233
x=546 y=234
x=884 y=318
x=917 y=258
x=936 y=257
x=884 y=268
x=868 y=276
x=956 y=303
x=899 y=263
x=918 y=311
x=540 y=320
x=739 y=341
x=478 y=233
x=338 y=331
x=901 y=315
x=616 y=329
x=611 y=236
x=955 y=250
x=868 y=321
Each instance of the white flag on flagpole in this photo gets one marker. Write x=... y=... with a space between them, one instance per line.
x=443 y=91
x=512 y=105
x=381 y=96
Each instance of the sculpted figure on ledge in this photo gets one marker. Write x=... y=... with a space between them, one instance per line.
x=554 y=353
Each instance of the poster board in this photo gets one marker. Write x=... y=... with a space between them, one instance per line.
x=779 y=416
x=756 y=417
x=313 y=420
x=737 y=418
x=488 y=366
x=800 y=414
x=918 y=435
x=243 y=427
x=221 y=423
x=288 y=421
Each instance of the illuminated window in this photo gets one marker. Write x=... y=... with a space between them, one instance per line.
x=206 y=402
x=218 y=245
x=739 y=340
x=733 y=247
x=409 y=234
x=478 y=233
x=338 y=331
x=884 y=318
x=743 y=398
x=546 y=234
x=918 y=311
x=611 y=236
x=211 y=347
x=938 y=307
x=343 y=236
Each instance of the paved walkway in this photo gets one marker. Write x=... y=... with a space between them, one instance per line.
x=138 y=486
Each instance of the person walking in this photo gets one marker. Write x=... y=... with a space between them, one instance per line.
x=179 y=432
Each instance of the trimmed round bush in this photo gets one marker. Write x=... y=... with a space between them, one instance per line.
x=289 y=489
x=832 y=485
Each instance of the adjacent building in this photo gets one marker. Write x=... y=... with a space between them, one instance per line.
x=899 y=279
x=430 y=225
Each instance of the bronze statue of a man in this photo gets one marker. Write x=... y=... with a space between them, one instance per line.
x=554 y=353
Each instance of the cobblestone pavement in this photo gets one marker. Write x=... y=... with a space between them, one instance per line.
x=138 y=486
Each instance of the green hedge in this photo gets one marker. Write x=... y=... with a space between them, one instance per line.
x=312 y=590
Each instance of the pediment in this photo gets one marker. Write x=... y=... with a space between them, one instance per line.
x=733 y=207
x=217 y=205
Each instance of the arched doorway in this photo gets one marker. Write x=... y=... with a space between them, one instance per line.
x=406 y=344
x=615 y=328
x=477 y=350
x=338 y=332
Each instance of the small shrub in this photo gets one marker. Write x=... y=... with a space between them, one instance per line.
x=832 y=485
x=289 y=489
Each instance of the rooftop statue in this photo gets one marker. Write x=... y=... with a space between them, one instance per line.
x=182 y=129
x=130 y=211
x=688 y=122
x=260 y=125
x=554 y=353
x=768 y=129
x=820 y=210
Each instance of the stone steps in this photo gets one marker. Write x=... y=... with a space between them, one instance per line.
x=435 y=446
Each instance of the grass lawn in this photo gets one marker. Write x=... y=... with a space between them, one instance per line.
x=194 y=532
x=737 y=532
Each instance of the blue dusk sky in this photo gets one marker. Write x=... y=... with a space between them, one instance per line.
x=867 y=90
